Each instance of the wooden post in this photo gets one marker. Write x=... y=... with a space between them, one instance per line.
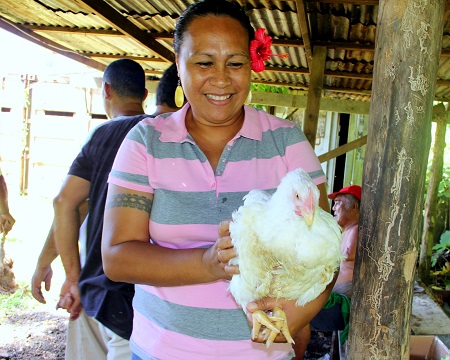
x=431 y=201
x=314 y=94
x=408 y=44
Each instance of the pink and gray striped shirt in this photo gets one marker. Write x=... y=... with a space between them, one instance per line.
x=159 y=156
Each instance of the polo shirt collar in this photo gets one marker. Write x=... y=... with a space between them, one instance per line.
x=173 y=127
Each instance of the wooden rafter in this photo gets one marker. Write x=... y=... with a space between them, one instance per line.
x=49 y=44
x=314 y=94
x=356 y=2
x=339 y=45
x=73 y=30
x=136 y=58
x=111 y=15
x=343 y=149
x=304 y=28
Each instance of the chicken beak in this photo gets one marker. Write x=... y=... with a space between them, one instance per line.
x=309 y=218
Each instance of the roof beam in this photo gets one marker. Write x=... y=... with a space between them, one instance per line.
x=299 y=101
x=343 y=149
x=340 y=74
x=286 y=70
x=345 y=46
x=304 y=28
x=362 y=92
x=70 y=30
x=166 y=36
x=111 y=15
x=115 y=56
x=49 y=44
x=355 y=2
x=314 y=94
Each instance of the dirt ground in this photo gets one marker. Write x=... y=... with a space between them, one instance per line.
x=33 y=335
x=30 y=330
x=41 y=335
x=37 y=331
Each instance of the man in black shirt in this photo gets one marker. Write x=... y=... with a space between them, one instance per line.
x=101 y=309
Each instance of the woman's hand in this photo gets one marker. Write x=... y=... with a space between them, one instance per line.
x=296 y=316
x=219 y=255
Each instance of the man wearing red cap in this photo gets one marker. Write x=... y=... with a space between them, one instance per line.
x=336 y=316
x=346 y=213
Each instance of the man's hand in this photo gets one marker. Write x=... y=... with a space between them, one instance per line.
x=70 y=299
x=41 y=275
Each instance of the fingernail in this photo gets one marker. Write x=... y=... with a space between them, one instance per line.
x=252 y=306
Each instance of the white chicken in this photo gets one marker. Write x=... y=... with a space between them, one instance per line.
x=287 y=247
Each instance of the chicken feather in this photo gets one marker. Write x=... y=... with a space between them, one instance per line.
x=287 y=246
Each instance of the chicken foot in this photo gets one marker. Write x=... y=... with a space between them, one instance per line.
x=274 y=325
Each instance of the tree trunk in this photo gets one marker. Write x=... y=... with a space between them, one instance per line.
x=431 y=201
x=408 y=47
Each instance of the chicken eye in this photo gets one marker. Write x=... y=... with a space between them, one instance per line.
x=296 y=195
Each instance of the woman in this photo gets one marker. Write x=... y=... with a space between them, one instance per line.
x=177 y=177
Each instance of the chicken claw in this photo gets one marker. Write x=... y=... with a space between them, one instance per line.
x=281 y=325
x=274 y=325
x=277 y=313
x=261 y=318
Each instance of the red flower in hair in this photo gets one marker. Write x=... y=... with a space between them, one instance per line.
x=260 y=50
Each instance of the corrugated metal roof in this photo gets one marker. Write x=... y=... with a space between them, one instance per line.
x=347 y=29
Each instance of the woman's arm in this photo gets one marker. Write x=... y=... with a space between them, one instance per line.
x=128 y=255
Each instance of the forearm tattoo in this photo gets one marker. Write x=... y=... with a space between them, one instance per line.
x=132 y=201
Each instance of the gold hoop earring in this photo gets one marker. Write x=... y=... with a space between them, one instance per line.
x=179 y=95
x=248 y=98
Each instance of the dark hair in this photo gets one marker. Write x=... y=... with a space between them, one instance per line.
x=210 y=7
x=165 y=92
x=127 y=78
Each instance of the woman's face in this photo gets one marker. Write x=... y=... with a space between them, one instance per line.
x=214 y=68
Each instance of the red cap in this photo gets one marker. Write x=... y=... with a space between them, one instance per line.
x=352 y=189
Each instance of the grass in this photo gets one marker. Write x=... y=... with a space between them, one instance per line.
x=23 y=245
x=19 y=300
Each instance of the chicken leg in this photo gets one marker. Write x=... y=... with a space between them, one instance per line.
x=274 y=325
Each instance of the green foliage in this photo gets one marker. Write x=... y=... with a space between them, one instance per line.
x=267 y=88
x=440 y=263
x=444 y=185
x=11 y=240
x=441 y=249
x=19 y=300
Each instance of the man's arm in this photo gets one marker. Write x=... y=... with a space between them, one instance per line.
x=43 y=271
x=66 y=227
x=6 y=220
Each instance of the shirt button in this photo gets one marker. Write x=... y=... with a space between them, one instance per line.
x=213 y=185
x=228 y=148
